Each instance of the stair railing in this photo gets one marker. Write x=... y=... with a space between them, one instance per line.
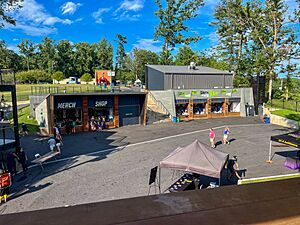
x=159 y=104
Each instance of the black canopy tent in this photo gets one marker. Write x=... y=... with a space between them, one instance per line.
x=290 y=139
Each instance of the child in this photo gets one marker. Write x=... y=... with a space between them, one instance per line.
x=212 y=136
x=225 y=136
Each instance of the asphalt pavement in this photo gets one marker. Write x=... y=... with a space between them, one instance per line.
x=115 y=164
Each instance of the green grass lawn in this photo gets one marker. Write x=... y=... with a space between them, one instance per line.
x=24 y=90
x=283 y=104
x=32 y=124
x=289 y=114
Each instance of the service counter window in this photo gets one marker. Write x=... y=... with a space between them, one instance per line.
x=216 y=107
x=182 y=109
x=234 y=107
x=101 y=113
x=101 y=109
x=68 y=112
x=68 y=116
x=199 y=108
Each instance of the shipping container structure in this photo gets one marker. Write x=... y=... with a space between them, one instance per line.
x=116 y=109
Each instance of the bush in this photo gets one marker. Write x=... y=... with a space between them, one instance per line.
x=59 y=76
x=86 y=77
x=32 y=76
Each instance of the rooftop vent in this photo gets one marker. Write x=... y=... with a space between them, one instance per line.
x=192 y=66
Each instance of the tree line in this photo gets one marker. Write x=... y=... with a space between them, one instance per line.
x=256 y=38
x=41 y=62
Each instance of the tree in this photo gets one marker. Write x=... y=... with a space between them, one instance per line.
x=86 y=78
x=253 y=35
x=64 y=57
x=232 y=32
x=58 y=75
x=32 y=76
x=135 y=62
x=7 y=6
x=120 y=55
x=266 y=20
x=141 y=58
x=185 y=55
x=172 y=26
x=47 y=55
x=207 y=59
x=104 y=51
x=8 y=58
x=84 y=58
x=27 y=48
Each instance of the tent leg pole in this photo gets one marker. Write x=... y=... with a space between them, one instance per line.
x=159 y=176
x=270 y=153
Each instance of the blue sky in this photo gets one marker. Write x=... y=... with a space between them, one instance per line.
x=90 y=20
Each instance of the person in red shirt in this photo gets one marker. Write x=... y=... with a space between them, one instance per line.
x=212 y=136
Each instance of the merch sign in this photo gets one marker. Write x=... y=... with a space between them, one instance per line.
x=67 y=103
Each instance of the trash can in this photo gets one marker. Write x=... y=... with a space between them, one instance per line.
x=178 y=119
x=174 y=119
x=267 y=120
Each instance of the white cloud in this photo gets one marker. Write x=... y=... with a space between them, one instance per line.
x=70 y=7
x=33 y=30
x=98 y=15
x=131 y=5
x=33 y=19
x=128 y=10
x=79 y=19
x=126 y=16
x=148 y=44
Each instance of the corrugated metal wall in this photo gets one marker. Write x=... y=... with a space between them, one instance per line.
x=228 y=81
x=181 y=81
x=154 y=80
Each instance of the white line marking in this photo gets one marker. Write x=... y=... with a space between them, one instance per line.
x=270 y=177
x=143 y=142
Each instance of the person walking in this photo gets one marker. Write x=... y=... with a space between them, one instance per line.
x=22 y=158
x=25 y=130
x=11 y=163
x=212 y=136
x=73 y=126
x=225 y=136
x=233 y=167
x=53 y=144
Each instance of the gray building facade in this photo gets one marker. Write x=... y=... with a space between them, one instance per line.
x=165 y=77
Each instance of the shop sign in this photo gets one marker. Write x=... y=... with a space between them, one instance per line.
x=103 y=101
x=66 y=105
x=100 y=103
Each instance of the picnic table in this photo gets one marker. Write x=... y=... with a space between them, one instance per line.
x=41 y=159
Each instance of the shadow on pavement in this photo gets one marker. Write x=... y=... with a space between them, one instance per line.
x=75 y=145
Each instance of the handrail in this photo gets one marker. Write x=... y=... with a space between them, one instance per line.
x=159 y=104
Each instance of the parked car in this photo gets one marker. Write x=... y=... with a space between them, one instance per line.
x=73 y=80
